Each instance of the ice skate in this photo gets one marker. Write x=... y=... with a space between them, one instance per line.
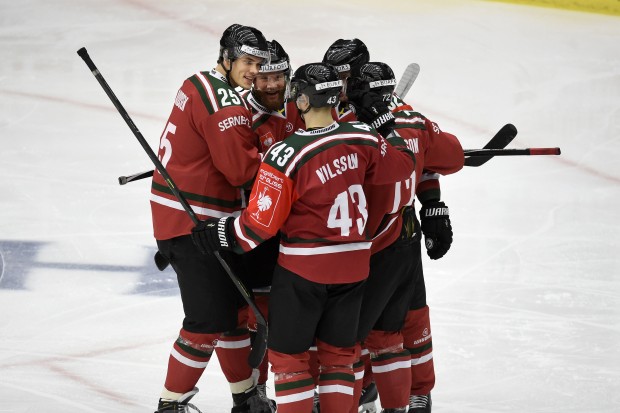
x=252 y=401
x=420 y=404
x=367 y=399
x=178 y=406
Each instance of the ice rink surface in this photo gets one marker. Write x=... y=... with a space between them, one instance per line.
x=525 y=307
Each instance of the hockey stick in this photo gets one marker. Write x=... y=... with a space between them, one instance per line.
x=259 y=346
x=406 y=81
x=501 y=139
x=122 y=180
x=511 y=152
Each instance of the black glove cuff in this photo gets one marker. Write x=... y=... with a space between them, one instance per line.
x=226 y=233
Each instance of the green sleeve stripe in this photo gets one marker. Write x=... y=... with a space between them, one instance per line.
x=199 y=198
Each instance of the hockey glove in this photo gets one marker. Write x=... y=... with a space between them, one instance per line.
x=370 y=108
x=437 y=229
x=214 y=234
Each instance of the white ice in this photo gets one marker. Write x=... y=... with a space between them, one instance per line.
x=525 y=307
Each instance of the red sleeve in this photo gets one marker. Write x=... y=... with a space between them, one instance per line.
x=268 y=208
x=232 y=144
x=394 y=162
x=444 y=153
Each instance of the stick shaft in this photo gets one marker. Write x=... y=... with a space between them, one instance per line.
x=512 y=152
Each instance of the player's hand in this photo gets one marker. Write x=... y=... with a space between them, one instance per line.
x=437 y=229
x=370 y=108
x=214 y=234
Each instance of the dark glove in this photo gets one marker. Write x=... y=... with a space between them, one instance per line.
x=436 y=227
x=370 y=108
x=214 y=234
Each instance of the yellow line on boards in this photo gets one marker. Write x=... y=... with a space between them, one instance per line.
x=611 y=7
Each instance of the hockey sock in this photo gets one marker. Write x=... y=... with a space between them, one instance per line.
x=358 y=371
x=189 y=357
x=418 y=340
x=233 y=349
x=390 y=367
x=294 y=385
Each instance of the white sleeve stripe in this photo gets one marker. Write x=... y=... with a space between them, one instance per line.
x=209 y=90
x=429 y=176
x=240 y=235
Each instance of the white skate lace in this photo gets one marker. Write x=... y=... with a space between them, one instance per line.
x=418 y=401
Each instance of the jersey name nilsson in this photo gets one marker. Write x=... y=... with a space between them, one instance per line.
x=233 y=121
x=337 y=167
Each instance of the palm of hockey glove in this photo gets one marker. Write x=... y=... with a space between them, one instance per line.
x=214 y=234
x=437 y=229
x=370 y=108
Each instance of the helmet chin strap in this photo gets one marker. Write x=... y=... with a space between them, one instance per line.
x=230 y=61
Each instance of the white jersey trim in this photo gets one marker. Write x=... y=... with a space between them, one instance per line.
x=188 y=362
x=330 y=249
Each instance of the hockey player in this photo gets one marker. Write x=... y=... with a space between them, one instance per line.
x=438 y=234
x=273 y=119
x=209 y=149
x=310 y=188
x=396 y=258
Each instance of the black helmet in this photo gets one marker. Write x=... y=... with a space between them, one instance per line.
x=318 y=81
x=377 y=77
x=279 y=60
x=239 y=40
x=346 y=54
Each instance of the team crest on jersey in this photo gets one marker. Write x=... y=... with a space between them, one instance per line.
x=267 y=140
x=265 y=196
x=289 y=127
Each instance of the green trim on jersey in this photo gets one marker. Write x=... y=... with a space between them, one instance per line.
x=262 y=119
x=199 y=198
x=253 y=235
x=299 y=141
x=203 y=93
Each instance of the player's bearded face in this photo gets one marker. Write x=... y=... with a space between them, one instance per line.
x=244 y=70
x=269 y=89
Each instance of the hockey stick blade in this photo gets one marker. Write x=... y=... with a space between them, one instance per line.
x=501 y=139
x=512 y=152
x=123 y=180
x=406 y=81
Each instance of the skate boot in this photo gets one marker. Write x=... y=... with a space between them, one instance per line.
x=178 y=406
x=368 y=398
x=251 y=401
x=261 y=388
x=420 y=404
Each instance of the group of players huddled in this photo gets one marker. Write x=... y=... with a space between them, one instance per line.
x=304 y=181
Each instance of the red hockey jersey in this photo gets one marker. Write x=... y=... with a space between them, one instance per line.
x=209 y=149
x=436 y=152
x=310 y=187
x=273 y=126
